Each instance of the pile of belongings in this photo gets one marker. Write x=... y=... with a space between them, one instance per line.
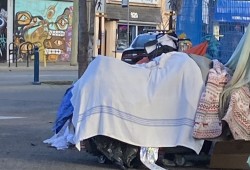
x=160 y=97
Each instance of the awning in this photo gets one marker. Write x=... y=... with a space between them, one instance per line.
x=139 y=14
x=232 y=11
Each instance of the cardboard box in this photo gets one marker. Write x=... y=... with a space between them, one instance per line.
x=231 y=155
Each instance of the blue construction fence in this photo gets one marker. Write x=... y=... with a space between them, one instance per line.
x=224 y=20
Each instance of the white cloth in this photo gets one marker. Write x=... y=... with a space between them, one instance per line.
x=149 y=156
x=63 y=139
x=147 y=105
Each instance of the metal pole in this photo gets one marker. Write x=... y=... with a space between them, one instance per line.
x=36 y=67
x=9 y=53
x=27 y=57
x=128 y=27
x=171 y=21
x=16 y=52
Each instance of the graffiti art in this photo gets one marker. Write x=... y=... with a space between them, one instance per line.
x=46 y=24
x=3 y=30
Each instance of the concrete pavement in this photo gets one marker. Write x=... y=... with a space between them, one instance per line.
x=27 y=114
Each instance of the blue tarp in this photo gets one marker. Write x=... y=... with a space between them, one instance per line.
x=232 y=11
x=189 y=20
x=65 y=111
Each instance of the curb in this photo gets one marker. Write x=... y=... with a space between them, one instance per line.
x=50 y=67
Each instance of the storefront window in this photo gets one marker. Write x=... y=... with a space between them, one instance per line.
x=122 y=37
x=122 y=34
x=142 y=28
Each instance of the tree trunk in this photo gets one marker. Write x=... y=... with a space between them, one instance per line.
x=83 y=38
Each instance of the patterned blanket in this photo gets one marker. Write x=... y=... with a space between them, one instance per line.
x=238 y=113
x=207 y=122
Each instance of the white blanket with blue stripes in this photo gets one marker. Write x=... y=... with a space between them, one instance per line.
x=148 y=105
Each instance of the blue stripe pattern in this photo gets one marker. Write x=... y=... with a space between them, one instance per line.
x=135 y=119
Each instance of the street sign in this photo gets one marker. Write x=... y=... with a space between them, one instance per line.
x=100 y=6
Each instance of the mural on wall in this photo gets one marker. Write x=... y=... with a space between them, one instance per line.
x=3 y=30
x=46 y=24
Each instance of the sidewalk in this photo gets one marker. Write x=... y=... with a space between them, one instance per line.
x=49 y=66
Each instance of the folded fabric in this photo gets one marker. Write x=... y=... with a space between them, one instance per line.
x=65 y=111
x=199 y=49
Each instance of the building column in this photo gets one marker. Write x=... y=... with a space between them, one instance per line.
x=111 y=39
x=96 y=40
x=10 y=11
x=74 y=44
x=103 y=35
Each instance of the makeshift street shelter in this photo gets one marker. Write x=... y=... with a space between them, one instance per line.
x=159 y=97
